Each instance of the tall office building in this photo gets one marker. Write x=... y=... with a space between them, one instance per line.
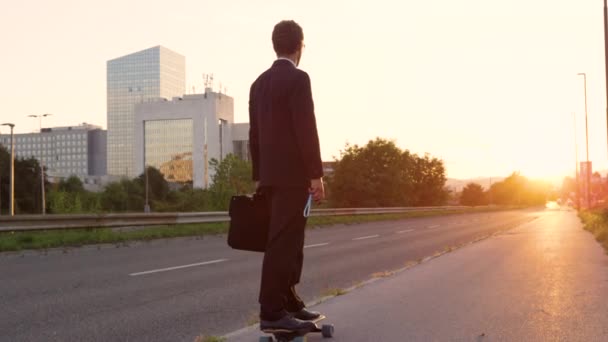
x=137 y=78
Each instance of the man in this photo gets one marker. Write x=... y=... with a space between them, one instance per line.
x=287 y=169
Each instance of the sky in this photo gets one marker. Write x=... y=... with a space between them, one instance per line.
x=488 y=86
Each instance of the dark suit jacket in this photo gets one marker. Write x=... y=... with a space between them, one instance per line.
x=283 y=136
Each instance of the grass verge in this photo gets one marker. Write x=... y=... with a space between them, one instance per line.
x=16 y=241
x=254 y=318
x=596 y=222
x=333 y=292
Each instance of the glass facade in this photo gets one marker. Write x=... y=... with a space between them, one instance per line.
x=168 y=147
x=139 y=77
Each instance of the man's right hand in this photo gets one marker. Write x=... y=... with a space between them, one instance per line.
x=317 y=190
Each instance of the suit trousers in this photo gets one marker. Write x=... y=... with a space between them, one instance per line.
x=284 y=255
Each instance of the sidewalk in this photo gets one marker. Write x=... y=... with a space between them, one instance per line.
x=544 y=281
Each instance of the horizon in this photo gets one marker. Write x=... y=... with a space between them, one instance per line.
x=489 y=89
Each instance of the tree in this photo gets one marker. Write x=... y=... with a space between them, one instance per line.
x=232 y=176
x=73 y=184
x=27 y=184
x=186 y=200
x=472 y=195
x=114 y=198
x=569 y=189
x=126 y=195
x=518 y=190
x=428 y=176
x=158 y=187
x=369 y=176
x=380 y=174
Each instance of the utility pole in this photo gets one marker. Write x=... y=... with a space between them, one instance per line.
x=11 y=195
x=576 y=163
x=587 y=169
x=606 y=54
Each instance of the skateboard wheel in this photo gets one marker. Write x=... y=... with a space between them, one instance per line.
x=266 y=339
x=327 y=330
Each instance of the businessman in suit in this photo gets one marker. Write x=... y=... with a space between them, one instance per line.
x=287 y=168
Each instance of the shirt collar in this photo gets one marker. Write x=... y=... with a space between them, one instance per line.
x=287 y=59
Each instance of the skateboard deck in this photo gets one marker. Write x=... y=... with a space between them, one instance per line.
x=282 y=335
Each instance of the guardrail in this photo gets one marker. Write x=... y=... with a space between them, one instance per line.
x=53 y=222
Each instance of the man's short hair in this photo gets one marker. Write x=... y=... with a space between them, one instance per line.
x=287 y=37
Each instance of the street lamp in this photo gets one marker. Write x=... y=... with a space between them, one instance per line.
x=587 y=169
x=41 y=161
x=147 y=204
x=12 y=187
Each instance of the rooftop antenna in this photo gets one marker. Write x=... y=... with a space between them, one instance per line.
x=208 y=80
x=205 y=83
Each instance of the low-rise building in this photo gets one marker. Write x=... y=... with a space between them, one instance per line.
x=180 y=136
x=64 y=151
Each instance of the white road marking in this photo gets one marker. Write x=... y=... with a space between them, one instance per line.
x=435 y=226
x=366 y=237
x=317 y=245
x=405 y=231
x=178 y=267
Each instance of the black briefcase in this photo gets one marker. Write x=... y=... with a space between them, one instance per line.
x=249 y=222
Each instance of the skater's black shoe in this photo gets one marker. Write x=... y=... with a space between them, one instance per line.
x=287 y=323
x=306 y=315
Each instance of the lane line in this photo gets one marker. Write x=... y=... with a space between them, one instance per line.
x=405 y=231
x=177 y=267
x=366 y=237
x=435 y=226
x=317 y=245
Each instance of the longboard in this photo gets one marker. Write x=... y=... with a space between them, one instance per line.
x=282 y=335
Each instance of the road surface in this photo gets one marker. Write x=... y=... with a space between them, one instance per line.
x=178 y=289
x=543 y=281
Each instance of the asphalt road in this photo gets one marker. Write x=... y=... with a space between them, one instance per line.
x=546 y=280
x=178 y=289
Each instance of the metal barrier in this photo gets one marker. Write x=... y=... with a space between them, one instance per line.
x=52 y=222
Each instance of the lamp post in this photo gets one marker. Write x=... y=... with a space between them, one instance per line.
x=41 y=161
x=587 y=169
x=147 y=204
x=12 y=186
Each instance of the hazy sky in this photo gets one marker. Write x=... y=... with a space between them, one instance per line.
x=489 y=86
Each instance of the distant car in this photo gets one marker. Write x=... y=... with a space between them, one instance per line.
x=552 y=205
